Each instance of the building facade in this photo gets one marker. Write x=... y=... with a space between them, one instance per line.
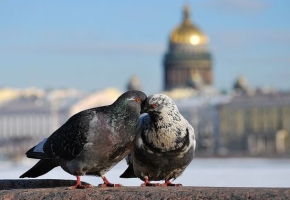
x=256 y=124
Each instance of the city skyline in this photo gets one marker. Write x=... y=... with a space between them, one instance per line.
x=96 y=44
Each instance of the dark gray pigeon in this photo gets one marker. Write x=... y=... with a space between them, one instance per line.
x=92 y=141
x=164 y=145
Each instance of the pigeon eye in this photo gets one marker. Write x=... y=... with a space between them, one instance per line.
x=137 y=99
x=154 y=105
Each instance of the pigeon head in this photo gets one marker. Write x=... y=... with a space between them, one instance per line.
x=158 y=103
x=132 y=98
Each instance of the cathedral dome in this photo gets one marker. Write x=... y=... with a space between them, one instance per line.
x=188 y=33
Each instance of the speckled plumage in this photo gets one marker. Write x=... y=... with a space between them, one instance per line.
x=92 y=141
x=165 y=142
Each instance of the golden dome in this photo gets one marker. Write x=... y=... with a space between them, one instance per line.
x=187 y=33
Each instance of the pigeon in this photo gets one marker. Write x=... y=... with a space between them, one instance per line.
x=91 y=142
x=164 y=145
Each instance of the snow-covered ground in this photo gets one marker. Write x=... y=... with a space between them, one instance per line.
x=233 y=172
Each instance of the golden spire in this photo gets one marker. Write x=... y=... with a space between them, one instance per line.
x=187 y=32
x=186 y=15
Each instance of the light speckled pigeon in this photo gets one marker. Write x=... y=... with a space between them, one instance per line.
x=92 y=141
x=164 y=145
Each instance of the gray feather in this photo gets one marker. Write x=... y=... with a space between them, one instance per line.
x=92 y=141
x=165 y=142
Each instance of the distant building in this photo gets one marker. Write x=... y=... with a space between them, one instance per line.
x=134 y=83
x=258 y=124
x=188 y=62
x=31 y=115
x=241 y=85
x=24 y=122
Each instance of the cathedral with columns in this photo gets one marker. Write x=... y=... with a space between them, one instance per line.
x=187 y=62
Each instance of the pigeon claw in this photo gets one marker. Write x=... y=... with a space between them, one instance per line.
x=168 y=183
x=108 y=183
x=79 y=185
x=148 y=183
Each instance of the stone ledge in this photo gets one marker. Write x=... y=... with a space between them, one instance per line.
x=58 y=189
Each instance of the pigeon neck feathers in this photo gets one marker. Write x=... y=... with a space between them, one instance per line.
x=167 y=129
x=126 y=107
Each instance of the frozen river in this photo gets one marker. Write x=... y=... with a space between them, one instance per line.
x=231 y=172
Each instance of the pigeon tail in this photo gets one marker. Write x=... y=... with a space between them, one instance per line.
x=31 y=153
x=40 y=168
x=129 y=172
x=38 y=152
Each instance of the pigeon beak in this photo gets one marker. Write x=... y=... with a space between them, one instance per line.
x=144 y=106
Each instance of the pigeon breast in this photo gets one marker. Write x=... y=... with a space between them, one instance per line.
x=165 y=142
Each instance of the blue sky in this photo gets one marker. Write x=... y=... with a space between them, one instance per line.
x=90 y=45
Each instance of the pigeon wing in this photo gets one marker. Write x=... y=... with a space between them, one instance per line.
x=129 y=172
x=69 y=140
x=191 y=135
